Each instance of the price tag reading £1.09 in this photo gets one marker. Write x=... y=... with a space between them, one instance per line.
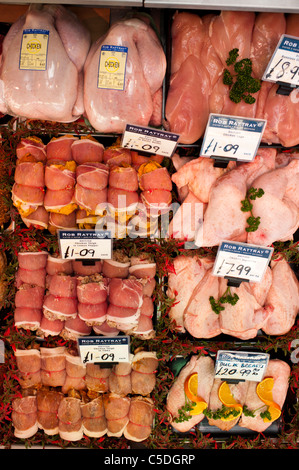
x=241 y=261
x=85 y=244
x=284 y=64
x=236 y=365
x=104 y=349
x=232 y=137
x=149 y=140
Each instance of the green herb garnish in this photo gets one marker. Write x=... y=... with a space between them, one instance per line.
x=223 y=412
x=183 y=412
x=248 y=412
x=226 y=298
x=242 y=84
x=246 y=206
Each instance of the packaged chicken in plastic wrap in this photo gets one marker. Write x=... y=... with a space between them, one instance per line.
x=123 y=77
x=42 y=65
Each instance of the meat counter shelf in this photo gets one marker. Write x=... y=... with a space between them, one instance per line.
x=177 y=363
x=289 y=6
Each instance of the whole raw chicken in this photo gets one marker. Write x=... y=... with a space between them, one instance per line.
x=111 y=101
x=46 y=86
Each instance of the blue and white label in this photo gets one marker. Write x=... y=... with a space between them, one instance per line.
x=236 y=365
x=85 y=244
x=242 y=261
x=232 y=137
x=284 y=63
x=104 y=349
x=149 y=140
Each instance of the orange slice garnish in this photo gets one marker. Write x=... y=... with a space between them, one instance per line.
x=190 y=388
x=264 y=392
x=226 y=397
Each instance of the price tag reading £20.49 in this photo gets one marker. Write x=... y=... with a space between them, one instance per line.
x=242 y=261
x=284 y=64
x=232 y=137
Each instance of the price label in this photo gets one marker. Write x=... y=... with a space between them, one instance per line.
x=104 y=349
x=232 y=137
x=147 y=139
x=242 y=261
x=236 y=365
x=284 y=63
x=85 y=244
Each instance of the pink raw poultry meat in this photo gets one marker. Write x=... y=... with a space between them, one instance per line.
x=199 y=175
x=187 y=34
x=232 y=29
x=109 y=110
x=182 y=280
x=282 y=301
x=204 y=367
x=281 y=111
x=187 y=112
x=246 y=317
x=41 y=94
x=239 y=392
x=268 y=28
x=199 y=319
x=280 y=371
x=223 y=218
x=279 y=215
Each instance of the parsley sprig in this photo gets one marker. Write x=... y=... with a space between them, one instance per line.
x=183 y=412
x=223 y=412
x=242 y=84
x=226 y=298
x=246 y=206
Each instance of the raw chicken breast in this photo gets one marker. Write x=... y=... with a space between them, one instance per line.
x=239 y=392
x=246 y=317
x=279 y=215
x=280 y=371
x=282 y=301
x=187 y=273
x=223 y=218
x=199 y=319
x=204 y=367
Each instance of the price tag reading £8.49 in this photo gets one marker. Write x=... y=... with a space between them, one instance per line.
x=241 y=261
x=149 y=140
x=236 y=365
x=104 y=349
x=231 y=137
x=284 y=64
x=85 y=244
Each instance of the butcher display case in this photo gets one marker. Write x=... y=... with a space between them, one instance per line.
x=119 y=327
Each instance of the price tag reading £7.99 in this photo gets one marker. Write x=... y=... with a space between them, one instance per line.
x=284 y=64
x=149 y=140
x=104 y=349
x=85 y=244
x=232 y=137
x=236 y=365
x=242 y=261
